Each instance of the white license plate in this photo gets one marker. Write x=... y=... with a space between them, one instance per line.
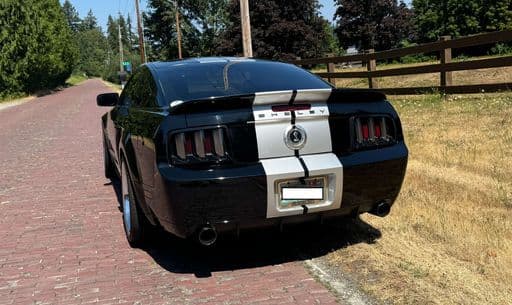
x=302 y=193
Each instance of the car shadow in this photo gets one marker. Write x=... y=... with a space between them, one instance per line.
x=255 y=248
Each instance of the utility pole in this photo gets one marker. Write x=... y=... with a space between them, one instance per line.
x=246 y=27
x=141 y=33
x=144 y=42
x=121 y=57
x=178 y=30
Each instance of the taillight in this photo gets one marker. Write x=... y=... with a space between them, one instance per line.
x=199 y=146
x=372 y=131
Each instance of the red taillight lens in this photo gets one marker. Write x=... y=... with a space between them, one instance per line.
x=377 y=130
x=188 y=145
x=199 y=145
x=373 y=131
x=208 y=143
x=365 y=131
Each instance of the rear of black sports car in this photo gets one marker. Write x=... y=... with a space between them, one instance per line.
x=246 y=144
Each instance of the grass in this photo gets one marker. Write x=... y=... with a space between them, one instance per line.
x=76 y=79
x=448 y=239
x=479 y=76
x=73 y=80
x=113 y=86
x=11 y=97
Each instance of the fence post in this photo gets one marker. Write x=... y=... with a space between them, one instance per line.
x=331 y=68
x=372 y=66
x=446 y=57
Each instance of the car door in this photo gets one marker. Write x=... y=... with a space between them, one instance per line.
x=144 y=119
x=117 y=122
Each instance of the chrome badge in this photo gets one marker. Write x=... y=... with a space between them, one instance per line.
x=295 y=137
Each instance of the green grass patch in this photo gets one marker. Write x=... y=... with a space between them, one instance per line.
x=75 y=79
x=11 y=96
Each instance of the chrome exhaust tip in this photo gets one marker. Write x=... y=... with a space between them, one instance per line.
x=381 y=209
x=207 y=236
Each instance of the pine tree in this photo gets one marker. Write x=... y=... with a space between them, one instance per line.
x=161 y=30
x=93 y=52
x=90 y=22
x=280 y=29
x=379 y=24
x=71 y=15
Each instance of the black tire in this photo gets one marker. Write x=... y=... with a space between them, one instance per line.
x=110 y=171
x=134 y=221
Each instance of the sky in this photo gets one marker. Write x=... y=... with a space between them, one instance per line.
x=103 y=8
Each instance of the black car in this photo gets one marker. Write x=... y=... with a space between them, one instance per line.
x=211 y=145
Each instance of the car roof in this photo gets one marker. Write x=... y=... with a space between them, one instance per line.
x=164 y=65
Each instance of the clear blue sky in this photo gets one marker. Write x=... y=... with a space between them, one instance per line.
x=103 y=8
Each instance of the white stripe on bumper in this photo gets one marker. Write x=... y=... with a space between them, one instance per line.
x=290 y=168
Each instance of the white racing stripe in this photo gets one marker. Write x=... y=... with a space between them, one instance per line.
x=280 y=162
x=279 y=169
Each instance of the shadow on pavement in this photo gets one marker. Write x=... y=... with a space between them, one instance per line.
x=255 y=248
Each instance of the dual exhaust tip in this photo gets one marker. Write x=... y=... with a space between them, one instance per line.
x=207 y=236
x=381 y=209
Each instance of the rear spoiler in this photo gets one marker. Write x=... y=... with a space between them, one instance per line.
x=329 y=96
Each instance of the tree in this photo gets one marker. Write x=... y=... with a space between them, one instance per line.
x=90 y=22
x=93 y=52
x=211 y=18
x=36 y=48
x=373 y=24
x=281 y=29
x=71 y=15
x=496 y=16
x=435 y=18
x=161 y=31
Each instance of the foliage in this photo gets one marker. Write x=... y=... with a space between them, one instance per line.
x=90 y=22
x=501 y=49
x=210 y=18
x=75 y=79
x=36 y=49
x=71 y=16
x=201 y=23
x=93 y=52
x=435 y=18
x=281 y=29
x=379 y=24
x=331 y=43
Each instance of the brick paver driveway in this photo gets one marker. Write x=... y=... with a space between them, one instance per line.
x=61 y=234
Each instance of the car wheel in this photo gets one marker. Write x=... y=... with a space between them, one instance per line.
x=110 y=172
x=133 y=218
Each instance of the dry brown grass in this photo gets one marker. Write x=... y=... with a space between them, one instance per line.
x=480 y=76
x=448 y=239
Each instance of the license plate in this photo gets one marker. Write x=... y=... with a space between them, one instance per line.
x=290 y=193
x=301 y=191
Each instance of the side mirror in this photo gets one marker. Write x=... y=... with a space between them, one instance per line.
x=107 y=99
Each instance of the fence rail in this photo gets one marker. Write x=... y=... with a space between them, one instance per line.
x=444 y=46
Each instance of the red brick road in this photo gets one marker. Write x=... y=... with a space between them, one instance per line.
x=61 y=235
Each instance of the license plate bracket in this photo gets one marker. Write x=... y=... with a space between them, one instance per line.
x=304 y=191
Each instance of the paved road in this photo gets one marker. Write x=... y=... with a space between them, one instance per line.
x=61 y=236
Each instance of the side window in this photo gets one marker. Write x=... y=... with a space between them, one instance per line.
x=141 y=90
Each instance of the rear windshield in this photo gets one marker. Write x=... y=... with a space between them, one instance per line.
x=214 y=79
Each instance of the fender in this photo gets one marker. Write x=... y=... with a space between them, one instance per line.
x=127 y=153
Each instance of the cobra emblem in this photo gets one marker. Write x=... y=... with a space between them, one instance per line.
x=295 y=137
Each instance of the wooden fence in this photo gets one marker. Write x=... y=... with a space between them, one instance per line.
x=445 y=67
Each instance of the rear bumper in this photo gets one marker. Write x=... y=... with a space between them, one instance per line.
x=236 y=198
